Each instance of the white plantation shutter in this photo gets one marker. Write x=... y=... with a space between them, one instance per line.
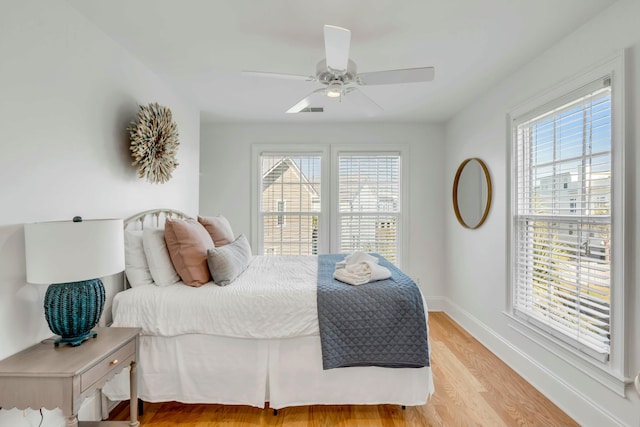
x=369 y=203
x=562 y=218
x=290 y=207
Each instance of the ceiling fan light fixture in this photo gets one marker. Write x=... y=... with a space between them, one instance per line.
x=334 y=90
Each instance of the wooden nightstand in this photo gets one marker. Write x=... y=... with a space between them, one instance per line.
x=44 y=376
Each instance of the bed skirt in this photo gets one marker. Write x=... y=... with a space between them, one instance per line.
x=283 y=372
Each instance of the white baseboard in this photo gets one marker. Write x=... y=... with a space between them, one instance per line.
x=435 y=303
x=582 y=409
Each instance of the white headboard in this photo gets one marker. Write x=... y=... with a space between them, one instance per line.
x=154 y=218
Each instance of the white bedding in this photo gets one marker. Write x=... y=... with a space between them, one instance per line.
x=199 y=344
x=275 y=297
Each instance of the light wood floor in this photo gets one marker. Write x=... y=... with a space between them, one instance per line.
x=473 y=388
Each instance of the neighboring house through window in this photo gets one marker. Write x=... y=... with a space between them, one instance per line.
x=290 y=186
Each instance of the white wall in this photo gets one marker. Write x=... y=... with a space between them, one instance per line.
x=67 y=94
x=225 y=165
x=476 y=273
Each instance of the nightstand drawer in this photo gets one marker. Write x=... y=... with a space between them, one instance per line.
x=109 y=365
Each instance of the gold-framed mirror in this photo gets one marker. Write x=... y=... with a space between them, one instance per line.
x=472 y=193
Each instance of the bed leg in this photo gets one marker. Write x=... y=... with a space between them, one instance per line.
x=140 y=407
x=275 y=412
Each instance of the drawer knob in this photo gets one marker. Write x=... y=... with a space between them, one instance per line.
x=114 y=362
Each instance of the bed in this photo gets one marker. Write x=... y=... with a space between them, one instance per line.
x=254 y=342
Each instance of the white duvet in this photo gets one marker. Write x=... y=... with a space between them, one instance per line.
x=275 y=297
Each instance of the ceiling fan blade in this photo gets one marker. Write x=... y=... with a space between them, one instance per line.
x=407 y=75
x=336 y=44
x=278 y=75
x=305 y=102
x=362 y=101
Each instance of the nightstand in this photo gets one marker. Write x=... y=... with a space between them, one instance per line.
x=45 y=376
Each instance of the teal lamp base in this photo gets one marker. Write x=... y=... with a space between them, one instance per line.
x=72 y=309
x=75 y=341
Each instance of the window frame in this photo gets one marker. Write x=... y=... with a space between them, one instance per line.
x=377 y=150
x=612 y=373
x=328 y=239
x=547 y=309
x=257 y=150
x=403 y=217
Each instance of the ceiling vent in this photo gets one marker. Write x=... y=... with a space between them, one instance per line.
x=312 y=110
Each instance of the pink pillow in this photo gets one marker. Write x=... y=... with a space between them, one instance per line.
x=188 y=242
x=218 y=228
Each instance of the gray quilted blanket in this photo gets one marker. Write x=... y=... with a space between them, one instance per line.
x=380 y=323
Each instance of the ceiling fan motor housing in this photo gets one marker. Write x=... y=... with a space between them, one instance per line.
x=326 y=75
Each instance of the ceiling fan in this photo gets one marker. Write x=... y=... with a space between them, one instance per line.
x=338 y=74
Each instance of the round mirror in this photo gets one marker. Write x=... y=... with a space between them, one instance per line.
x=472 y=193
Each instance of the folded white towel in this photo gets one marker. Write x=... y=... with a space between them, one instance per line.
x=363 y=271
x=351 y=278
x=355 y=258
x=378 y=272
x=358 y=257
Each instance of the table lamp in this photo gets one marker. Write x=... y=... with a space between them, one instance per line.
x=70 y=257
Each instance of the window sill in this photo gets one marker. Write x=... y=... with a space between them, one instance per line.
x=600 y=372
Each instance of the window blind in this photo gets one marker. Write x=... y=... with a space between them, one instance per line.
x=369 y=203
x=562 y=218
x=290 y=204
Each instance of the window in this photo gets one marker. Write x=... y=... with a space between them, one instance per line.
x=321 y=198
x=562 y=218
x=369 y=203
x=289 y=203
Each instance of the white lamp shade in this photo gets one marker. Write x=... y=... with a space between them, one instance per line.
x=67 y=251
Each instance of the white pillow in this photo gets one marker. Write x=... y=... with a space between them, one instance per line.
x=157 y=254
x=136 y=266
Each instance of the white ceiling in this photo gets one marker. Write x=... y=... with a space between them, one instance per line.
x=203 y=45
